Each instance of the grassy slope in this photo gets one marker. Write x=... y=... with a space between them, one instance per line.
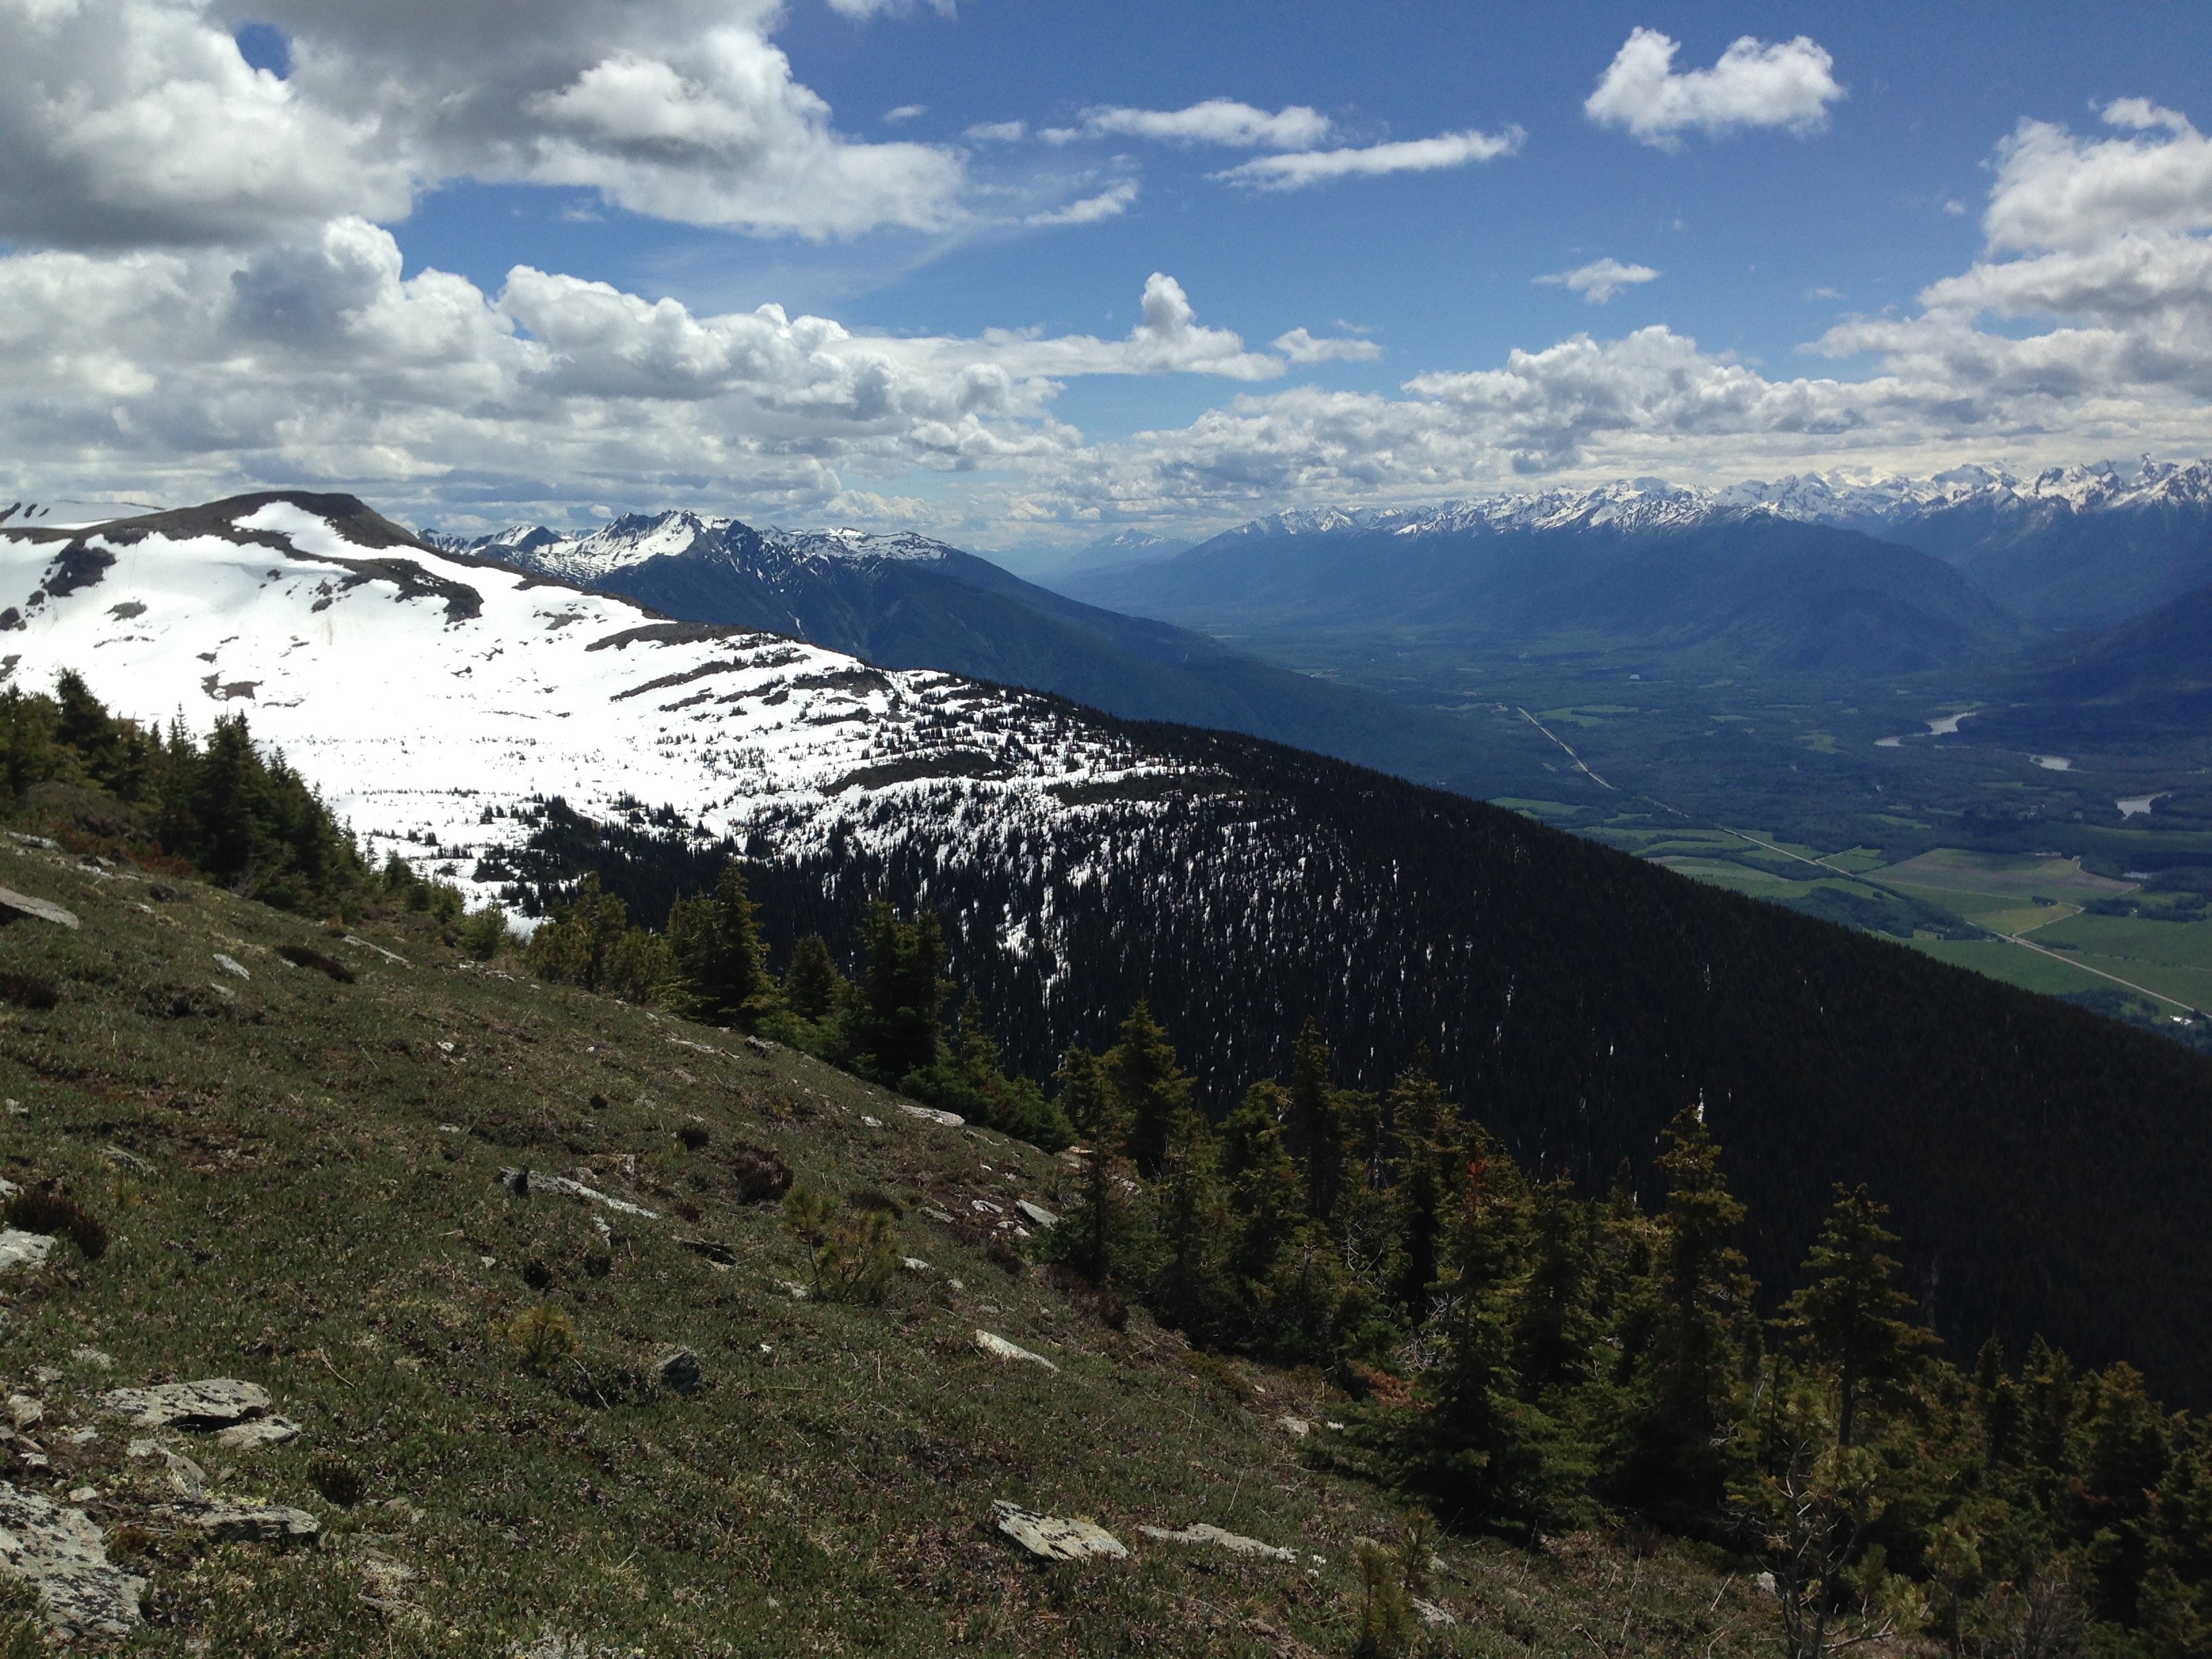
x=302 y=1220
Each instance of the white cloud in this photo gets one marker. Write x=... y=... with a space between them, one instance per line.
x=905 y=112
x=1600 y=280
x=137 y=122
x=1756 y=83
x=1301 y=347
x=1110 y=204
x=1296 y=172
x=1216 y=121
x=2056 y=190
x=1956 y=208
x=866 y=9
x=1824 y=292
x=996 y=132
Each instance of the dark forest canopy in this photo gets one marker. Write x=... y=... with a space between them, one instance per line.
x=2043 y=1164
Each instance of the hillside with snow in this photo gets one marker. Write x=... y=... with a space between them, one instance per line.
x=432 y=696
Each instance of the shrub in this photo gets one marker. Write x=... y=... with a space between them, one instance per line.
x=339 y=1481
x=542 y=1336
x=851 y=1253
x=484 y=933
x=30 y=991
x=42 y=1209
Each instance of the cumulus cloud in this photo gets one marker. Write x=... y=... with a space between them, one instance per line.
x=905 y=112
x=866 y=9
x=1109 y=203
x=1316 y=166
x=1216 y=121
x=1600 y=280
x=1301 y=347
x=2055 y=189
x=996 y=132
x=138 y=122
x=1756 y=83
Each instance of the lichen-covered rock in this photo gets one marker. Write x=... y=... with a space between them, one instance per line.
x=21 y=1252
x=14 y=904
x=215 y=1402
x=252 y=1523
x=58 y=1553
x=259 y=1433
x=1051 y=1538
x=1235 y=1543
x=998 y=1348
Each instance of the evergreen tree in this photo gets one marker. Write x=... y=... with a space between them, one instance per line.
x=714 y=944
x=1149 y=1087
x=1421 y=1186
x=895 y=1028
x=1190 y=1287
x=1267 y=1199
x=1690 y=1336
x=811 y=984
x=1316 y=1127
x=1845 y=1317
x=1102 y=1237
x=1559 y=1331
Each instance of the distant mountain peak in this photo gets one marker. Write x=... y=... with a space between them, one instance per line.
x=634 y=538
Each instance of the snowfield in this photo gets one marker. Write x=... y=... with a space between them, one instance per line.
x=427 y=694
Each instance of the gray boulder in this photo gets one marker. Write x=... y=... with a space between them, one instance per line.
x=215 y=1402
x=1051 y=1538
x=58 y=1553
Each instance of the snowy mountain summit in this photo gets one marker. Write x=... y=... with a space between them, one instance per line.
x=637 y=537
x=436 y=697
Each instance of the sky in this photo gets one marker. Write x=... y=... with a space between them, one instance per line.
x=1018 y=274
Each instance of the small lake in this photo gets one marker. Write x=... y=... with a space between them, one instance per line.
x=2134 y=804
x=2052 y=763
x=1948 y=725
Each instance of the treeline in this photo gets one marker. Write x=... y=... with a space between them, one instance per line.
x=1530 y=1360
x=222 y=810
x=886 y=1024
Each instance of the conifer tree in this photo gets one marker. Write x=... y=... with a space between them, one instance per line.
x=1691 y=1333
x=811 y=983
x=1421 y=1188
x=1149 y=1085
x=714 y=944
x=1101 y=1238
x=1267 y=1199
x=1558 y=1333
x=1845 y=1317
x=1189 y=1286
x=1316 y=1127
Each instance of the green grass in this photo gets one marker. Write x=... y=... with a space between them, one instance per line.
x=2013 y=964
x=301 y=1184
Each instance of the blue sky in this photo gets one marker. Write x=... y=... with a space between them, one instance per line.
x=664 y=151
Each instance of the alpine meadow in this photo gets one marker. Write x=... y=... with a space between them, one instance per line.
x=835 y=827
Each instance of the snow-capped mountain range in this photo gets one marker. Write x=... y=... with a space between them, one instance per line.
x=429 y=694
x=1831 y=498
x=637 y=537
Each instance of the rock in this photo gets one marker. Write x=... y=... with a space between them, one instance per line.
x=213 y=1403
x=14 y=904
x=998 y=1348
x=252 y=1523
x=931 y=1115
x=1036 y=1212
x=1297 y=1427
x=678 y=1371
x=232 y=966
x=937 y=1215
x=24 y=1412
x=913 y=1264
x=21 y=1252
x=1430 y=1613
x=1235 y=1543
x=722 y=1255
x=58 y=1552
x=259 y=1433
x=187 y=1478
x=1052 y=1539
x=984 y=1206
x=523 y=1182
x=792 y=1288
x=93 y=1358
x=1764 y=1582
x=872 y=1123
